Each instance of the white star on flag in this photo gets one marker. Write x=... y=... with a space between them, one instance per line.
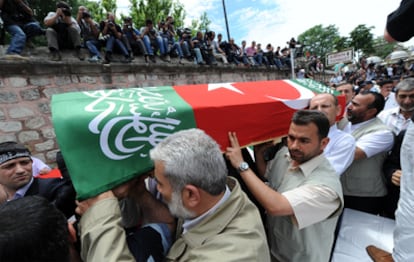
x=228 y=86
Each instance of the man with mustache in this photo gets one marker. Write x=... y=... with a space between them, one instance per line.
x=363 y=182
x=217 y=221
x=304 y=197
x=17 y=181
x=399 y=117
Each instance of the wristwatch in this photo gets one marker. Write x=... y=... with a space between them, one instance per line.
x=243 y=167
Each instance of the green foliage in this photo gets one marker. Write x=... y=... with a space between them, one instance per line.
x=382 y=48
x=157 y=11
x=320 y=40
x=200 y=25
x=95 y=8
x=109 y=6
x=362 y=40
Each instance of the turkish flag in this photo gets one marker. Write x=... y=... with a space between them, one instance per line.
x=256 y=111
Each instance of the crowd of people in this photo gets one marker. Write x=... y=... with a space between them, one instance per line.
x=66 y=29
x=283 y=203
x=282 y=206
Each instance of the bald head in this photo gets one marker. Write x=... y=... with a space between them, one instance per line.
x=327 y=104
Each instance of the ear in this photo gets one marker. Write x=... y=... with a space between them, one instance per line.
x=191 y=196
x=324 y=142
x=72 y=232
x=371 y=112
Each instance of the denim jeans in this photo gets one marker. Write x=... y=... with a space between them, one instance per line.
x=176 y=46
x=18 y=39
x=159 y=43
x=93 y=47
x=147 y=44
x=115 y=41
x=33 y=29
x=20 y=34
x=198 y=55
x=185 y=49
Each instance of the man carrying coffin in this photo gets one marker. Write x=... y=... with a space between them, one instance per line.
x=304 y=197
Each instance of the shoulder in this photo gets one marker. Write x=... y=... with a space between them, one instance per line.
x=341 y=137
x=50 y=15
x=51 y=183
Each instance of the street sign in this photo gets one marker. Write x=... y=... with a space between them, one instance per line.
x=340 y=57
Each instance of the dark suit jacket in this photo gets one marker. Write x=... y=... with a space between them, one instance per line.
x=59 y=192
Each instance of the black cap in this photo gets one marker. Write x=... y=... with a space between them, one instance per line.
x=11 y=150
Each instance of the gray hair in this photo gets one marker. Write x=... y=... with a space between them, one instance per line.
x=406 y=84
x=192 y=157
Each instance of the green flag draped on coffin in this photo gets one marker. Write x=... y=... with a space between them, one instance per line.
x=105 y=135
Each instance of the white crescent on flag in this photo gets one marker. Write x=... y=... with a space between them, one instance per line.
x=299 y=103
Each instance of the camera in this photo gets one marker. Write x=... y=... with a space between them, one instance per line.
x=110 y=24
x=129 y=27
x=66 y=12
x=209 y=34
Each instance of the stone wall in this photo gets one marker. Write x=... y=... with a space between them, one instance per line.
x=26 y=88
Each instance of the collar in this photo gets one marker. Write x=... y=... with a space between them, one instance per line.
x=21 y=192
x=190 y=223
x=356 y=126
x=333 y=128
x=307 y=167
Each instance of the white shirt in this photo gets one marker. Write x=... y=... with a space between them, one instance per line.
x=390 y=101
x=310 y=203
x=340 y=149
x=372 y=143
x=394 y=120
x=74 y=22
x=37 y=165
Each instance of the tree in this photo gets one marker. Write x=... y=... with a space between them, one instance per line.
x=320 y=40
x=109 y=6
x=97 y=11
x=201 y=24
x=157 y=11
x=382 y=48
x=362 y=40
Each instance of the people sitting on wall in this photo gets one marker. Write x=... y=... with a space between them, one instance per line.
x=168 y=34
x=218 y=53
x=134 y=38
x=63 y=32
x=153 y=41
x=198 y=47
x=111 y=34
x=184 y=39
x=19 y=22
x=90 y=34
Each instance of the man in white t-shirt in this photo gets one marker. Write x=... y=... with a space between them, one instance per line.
x=341 y=147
